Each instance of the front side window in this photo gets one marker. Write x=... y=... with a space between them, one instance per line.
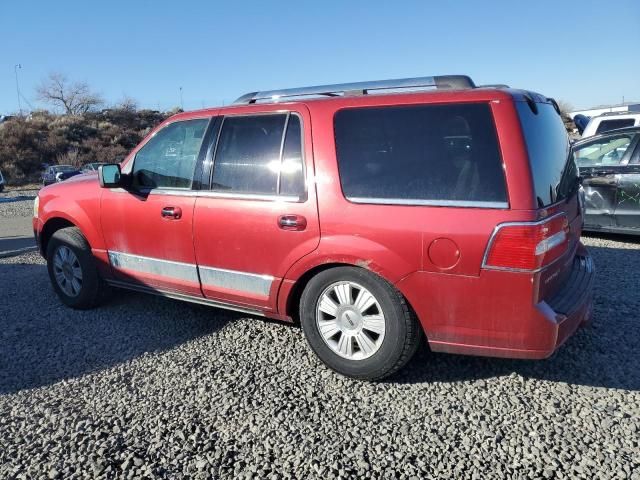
x=604 y=151
x=259 y=154
x=421 y=154
x=169 y=158
x=606 y=125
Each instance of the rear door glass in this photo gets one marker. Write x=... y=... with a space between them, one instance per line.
x=260 y=154
x=420 y=154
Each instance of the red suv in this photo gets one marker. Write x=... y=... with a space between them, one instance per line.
x=368 y=213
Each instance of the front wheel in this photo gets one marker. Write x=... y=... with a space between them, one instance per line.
x=357 y=323
x=72 y=269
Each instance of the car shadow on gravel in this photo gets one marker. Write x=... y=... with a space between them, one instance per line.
x=19 y=198
x=43 y=342
x=604 y=354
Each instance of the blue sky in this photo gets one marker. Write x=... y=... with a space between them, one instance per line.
x=585 y=53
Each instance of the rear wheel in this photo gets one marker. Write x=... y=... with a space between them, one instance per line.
x=72 y=269
x=357 y=323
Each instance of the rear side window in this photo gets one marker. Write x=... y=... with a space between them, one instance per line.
x=169 y=158
x=606 y=125
x=260 y=154
x=548 y=148
x=424 y=154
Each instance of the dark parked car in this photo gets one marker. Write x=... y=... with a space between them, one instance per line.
x=1 y=182
x=610 y=166
x=58 y=173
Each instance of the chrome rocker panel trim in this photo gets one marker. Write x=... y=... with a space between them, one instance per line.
x=183 y=297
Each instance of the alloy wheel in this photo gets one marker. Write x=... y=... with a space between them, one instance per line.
x=67 y=271
x=350 y=320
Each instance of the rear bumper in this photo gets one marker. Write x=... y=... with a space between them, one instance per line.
x=493 y=315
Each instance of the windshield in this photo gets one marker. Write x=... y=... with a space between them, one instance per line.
x=548 y=148
x=64 y=168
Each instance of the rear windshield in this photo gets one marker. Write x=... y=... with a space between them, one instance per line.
x=548 y=147
x=420 y=154
x=606 y=125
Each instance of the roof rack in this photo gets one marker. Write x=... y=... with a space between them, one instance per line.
x=359 y=88
x=618 y=112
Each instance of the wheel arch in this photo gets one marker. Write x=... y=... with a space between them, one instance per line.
x=294 y=294
x=51 y=226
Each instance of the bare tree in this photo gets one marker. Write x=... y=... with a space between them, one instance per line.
x=128 y=104
x=75 y=98
x=565 y=107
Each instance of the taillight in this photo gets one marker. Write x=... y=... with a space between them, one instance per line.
x=528 y=246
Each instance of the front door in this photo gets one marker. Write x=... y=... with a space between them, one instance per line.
x=148 y=226
x=260 y=214
x=601 y=163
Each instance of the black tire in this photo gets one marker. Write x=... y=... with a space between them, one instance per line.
x=93 y=289
x=402 y=330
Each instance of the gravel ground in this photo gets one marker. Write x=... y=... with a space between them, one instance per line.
x=148 y=387
x=17 y=202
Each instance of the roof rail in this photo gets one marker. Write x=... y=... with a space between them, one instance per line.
x=360 y=88
x=617 y=112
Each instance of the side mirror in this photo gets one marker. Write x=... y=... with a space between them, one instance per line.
x=110 y=175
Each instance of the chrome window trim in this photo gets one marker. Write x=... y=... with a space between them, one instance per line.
x=495 y=231
x=282 y=140
x=236 y=280
x=154 y=266
x=184 y=297
x=429 y=203
x=232 y=196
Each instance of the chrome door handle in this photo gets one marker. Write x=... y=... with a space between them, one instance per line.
x=171 y=212
x=292 y=222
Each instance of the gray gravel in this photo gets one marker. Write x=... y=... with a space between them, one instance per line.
x=17 y=203
x=147 y=387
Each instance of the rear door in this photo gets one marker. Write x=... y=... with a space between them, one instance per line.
x=628 y=207
x=260 y=214
x=602 y=162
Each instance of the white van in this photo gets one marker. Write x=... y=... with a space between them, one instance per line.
x=611 y=121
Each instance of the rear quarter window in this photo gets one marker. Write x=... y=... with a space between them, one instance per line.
x=606 y=125
x=420 y=154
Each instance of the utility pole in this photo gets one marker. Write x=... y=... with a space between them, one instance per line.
x=15 y=70
x=181 y=102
